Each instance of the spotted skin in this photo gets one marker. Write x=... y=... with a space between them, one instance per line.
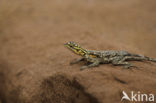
x=94 y=58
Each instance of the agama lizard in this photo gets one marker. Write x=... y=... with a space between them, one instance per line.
x=104 y=57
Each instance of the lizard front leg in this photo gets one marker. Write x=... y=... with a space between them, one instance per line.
x=94 y=64
x=77 y=61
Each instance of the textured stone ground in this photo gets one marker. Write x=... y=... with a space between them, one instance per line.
x=34 y=64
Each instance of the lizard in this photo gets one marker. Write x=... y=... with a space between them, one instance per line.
x=95 y=58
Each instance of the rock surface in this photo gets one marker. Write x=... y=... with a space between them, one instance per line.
x=34 y=64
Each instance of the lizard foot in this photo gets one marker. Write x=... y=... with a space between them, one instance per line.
x=83 y=67
x=129 y=66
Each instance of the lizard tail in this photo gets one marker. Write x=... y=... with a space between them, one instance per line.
x=151 y=59
x=144 y=57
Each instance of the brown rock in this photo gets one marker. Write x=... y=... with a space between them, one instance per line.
x=34 y=65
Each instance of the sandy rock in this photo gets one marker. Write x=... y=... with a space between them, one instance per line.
x=34 y=64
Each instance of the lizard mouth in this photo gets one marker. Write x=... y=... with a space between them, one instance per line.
x=65 y=43
x=68 y=46
x=74 y=48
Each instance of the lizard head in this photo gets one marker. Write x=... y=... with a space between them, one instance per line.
x=75 y=48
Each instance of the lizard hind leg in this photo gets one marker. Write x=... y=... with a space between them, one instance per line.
x=125 y=65
x=133 y=58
